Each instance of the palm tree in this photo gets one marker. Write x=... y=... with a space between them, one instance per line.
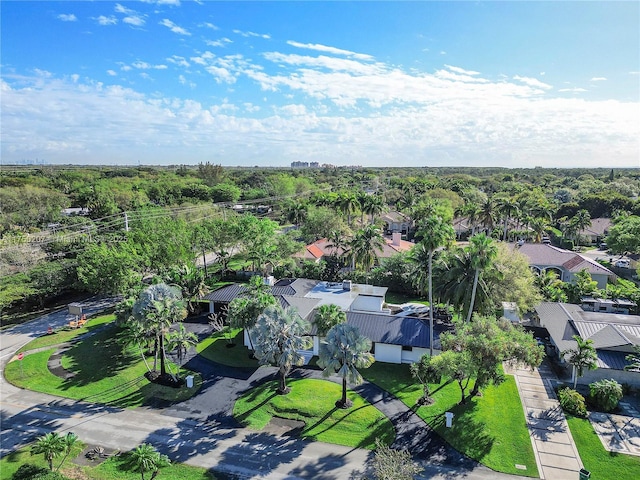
x=364 y=245
x=138 y=336
x=582 y=357
x=338 y=242
x=580 y=221
x=348 y=203
x=296 y=212
x=191 y=281
x=435 y=233
x=482 y=251
x=181 y=340
x=508 y=208
x=373 y=205
x=344 y=351
x=278 y=336
x=157 y=308
x=145 y=458
x=487 y=216
x=51 y=445
x=68 y=442
x=245 y=309
x=327 y=316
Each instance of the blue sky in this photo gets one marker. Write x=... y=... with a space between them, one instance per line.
x=515 y=84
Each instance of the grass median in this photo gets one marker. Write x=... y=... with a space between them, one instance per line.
x=227 y=348
x=313 y=402
x=490 y=429
x=98 y=370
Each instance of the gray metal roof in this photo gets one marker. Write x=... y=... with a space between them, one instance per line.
x=304 y=305
x=555 y=317
x=225 y=294
x=392 y=330
x=612 y=360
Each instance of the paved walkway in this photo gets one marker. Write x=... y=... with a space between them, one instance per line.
x=618 y=433
x=556 y=453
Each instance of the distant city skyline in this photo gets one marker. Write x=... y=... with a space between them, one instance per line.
x=495 y=84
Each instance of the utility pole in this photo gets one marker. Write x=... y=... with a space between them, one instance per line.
x=126 y=222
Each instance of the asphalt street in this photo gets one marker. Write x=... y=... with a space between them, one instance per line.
x=202 y=432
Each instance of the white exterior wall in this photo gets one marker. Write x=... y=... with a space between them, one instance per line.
x=620 y=376
x=367 y=303
x=316 y=345
x=415 y=354
x=388 y=353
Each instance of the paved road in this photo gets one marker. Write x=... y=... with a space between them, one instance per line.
x=201 y=431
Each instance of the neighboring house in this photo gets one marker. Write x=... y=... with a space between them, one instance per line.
x=68 y=212
x=321 y=248
x=597 y=231
x=461 y=226
x=395 y=222
x=544 y=257
x=606 y=305
x=399 y=338
x=613 y=335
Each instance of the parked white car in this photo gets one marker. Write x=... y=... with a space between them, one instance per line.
x=622 y=263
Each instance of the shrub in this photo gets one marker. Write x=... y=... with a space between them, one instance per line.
x=572 y=402
x=605 y=394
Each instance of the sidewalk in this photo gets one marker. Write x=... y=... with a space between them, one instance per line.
x=556 y=453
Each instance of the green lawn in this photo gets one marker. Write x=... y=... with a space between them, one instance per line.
x=67 y=334
x=357 y=426
x=602 y=464
x=491 y=429
x=104 y=373
x=215 y=348
x=113 y=468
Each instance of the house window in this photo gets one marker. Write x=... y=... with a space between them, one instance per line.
x=406 y=348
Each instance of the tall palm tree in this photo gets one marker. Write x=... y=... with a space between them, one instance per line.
x=181 y=340
x=327 y=316
x=296 y=212
x=191 y=281
x=580 y=221
x=278 y=336
x=338 y=242
x=508 y=208
x=344 y=351
x=488 y=214
x=51 y=445
x=145 y=458
x=373 y=205
x=435 y=233
x=365 y=245
x=482 y=251
x=348 y=203
x=582 y=357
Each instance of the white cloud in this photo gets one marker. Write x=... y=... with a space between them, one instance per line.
x=210 y=25
x=634 y=73
x=252 y=34
x=532 y=82
x=147 y=66
x=112 y=73
x=323 y=61
x=180 y=61
x=67 y=17
x=136 y=21
x=461 y=70
x=598 y=79
x=573 y=90
x=221 y=42
x=173 y=27
x=110 y=20
x=122 y=9
x=327 y=49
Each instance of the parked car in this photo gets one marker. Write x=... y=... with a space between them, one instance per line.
x=602 y=246
x=622 y=263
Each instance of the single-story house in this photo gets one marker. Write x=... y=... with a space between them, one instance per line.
x=323 y=247
x=614 y=337
x=597 y=231
x=545 y=257
x=402 y=337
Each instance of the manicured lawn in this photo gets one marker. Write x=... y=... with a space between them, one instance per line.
x=215 y=349
x=66 y=334
x=602 y=464
x=490 y=429
x=104 y=373
x=357 y=426
x=113 y=468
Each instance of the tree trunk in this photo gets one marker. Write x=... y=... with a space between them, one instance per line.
x=462 y=400
x=163 y=366
x=344 y=390
x=473 y=294
x=282 y=383
x=430 y=304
